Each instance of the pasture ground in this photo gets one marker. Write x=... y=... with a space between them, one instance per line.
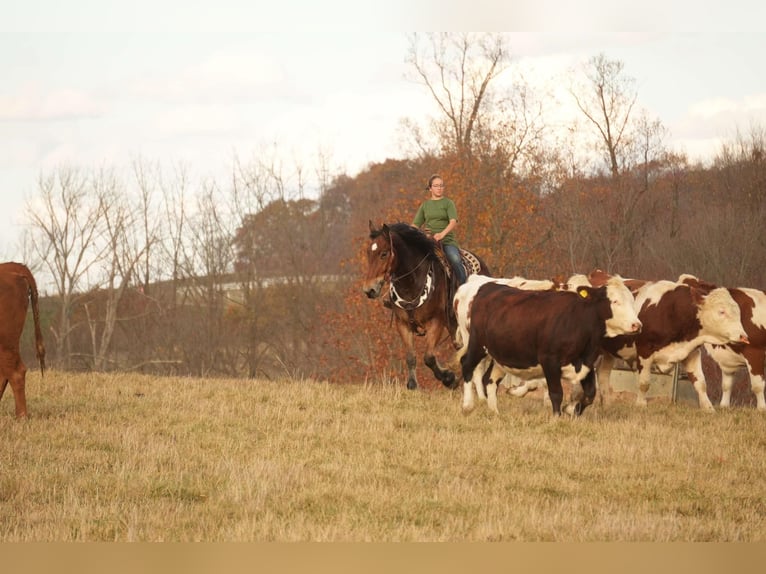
x=125 y=457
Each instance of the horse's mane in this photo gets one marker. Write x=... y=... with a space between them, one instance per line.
x=412 y=236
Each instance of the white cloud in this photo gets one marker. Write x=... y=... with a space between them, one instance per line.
x=234 y=74
x=32 y=104
x=720 y=118
x=708 y=109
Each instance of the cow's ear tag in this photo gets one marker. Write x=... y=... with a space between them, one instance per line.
x=583 y=293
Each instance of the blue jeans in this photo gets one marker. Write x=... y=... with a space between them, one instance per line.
x=453 y=254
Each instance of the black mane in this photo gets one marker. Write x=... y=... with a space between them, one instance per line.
x=412 y=236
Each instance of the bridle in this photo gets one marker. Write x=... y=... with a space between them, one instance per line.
x=423 y=293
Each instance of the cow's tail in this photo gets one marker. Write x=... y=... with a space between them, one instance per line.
x=39 y=345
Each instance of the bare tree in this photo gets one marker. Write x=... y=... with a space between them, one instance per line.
x=606 y=97
x=457 y=70
x=128 y=235
x=632 y=145
x=67 y=221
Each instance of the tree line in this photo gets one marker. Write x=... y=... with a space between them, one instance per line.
x=259 y=275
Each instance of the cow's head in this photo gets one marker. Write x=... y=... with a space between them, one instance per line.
x=624 y=319
x=720 y=316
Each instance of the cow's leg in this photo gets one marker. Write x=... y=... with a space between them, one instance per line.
x=481 y=382
x=468 y=402
x=546 y=394
x=727 y=383
x=644 y=369
x=756 y=359
x=409 y=344
x=496 y=375
x=588 y=385
x=473 y=371
x=433 y=334
x=758 y=384
x=474 y=364
x=517 y=386
x=583 y=393
x=2 y=387
x=552 y=372
x=693 y=368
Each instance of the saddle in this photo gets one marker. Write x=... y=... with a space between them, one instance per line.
x=470 y=262
x=471 y=265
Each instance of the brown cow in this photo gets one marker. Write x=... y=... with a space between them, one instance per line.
x=17 y=288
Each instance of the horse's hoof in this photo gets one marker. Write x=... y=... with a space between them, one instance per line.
x=412 y=385
x=450 y=381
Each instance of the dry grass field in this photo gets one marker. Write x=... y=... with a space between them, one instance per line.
x=125 y=457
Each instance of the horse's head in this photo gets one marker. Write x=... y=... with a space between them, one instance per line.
x=380 y=258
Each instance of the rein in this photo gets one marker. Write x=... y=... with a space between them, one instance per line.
x=422 y=296
x=411 y=271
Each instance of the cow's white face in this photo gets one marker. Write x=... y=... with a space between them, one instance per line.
x=720 y=317
x=624 y=320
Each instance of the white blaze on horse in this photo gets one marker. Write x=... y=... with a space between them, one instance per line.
x=421 y=286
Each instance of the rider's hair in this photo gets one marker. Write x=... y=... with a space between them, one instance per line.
x=431 y=180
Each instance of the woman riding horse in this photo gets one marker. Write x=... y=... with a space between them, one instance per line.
x=421 y=287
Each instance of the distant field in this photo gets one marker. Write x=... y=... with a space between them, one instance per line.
x=135 y=458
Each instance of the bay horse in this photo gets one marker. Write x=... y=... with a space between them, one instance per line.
x=421 y=287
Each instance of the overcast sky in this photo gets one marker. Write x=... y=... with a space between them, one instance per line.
x=87 y=83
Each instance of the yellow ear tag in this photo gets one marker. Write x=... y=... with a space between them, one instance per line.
x=583 y=293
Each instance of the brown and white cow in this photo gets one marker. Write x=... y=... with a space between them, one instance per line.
x=733 y=357
x=467 y=292
x=677 y=320
x=17 y=288
x=556 y=333
x=519 y=387
x=461 y=303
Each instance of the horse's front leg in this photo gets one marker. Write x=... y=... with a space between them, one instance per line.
x=408 y=340
x=434 y=333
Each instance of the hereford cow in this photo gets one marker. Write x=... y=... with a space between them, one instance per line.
x=554 y=332
x=677 y=320
x=734 y=356
x=17 y=288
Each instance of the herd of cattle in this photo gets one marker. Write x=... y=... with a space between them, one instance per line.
x=540 y=331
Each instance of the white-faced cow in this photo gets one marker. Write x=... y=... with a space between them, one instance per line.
x=556 y=333
x=677 y=320
x=17 y=288
x=733 y=357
